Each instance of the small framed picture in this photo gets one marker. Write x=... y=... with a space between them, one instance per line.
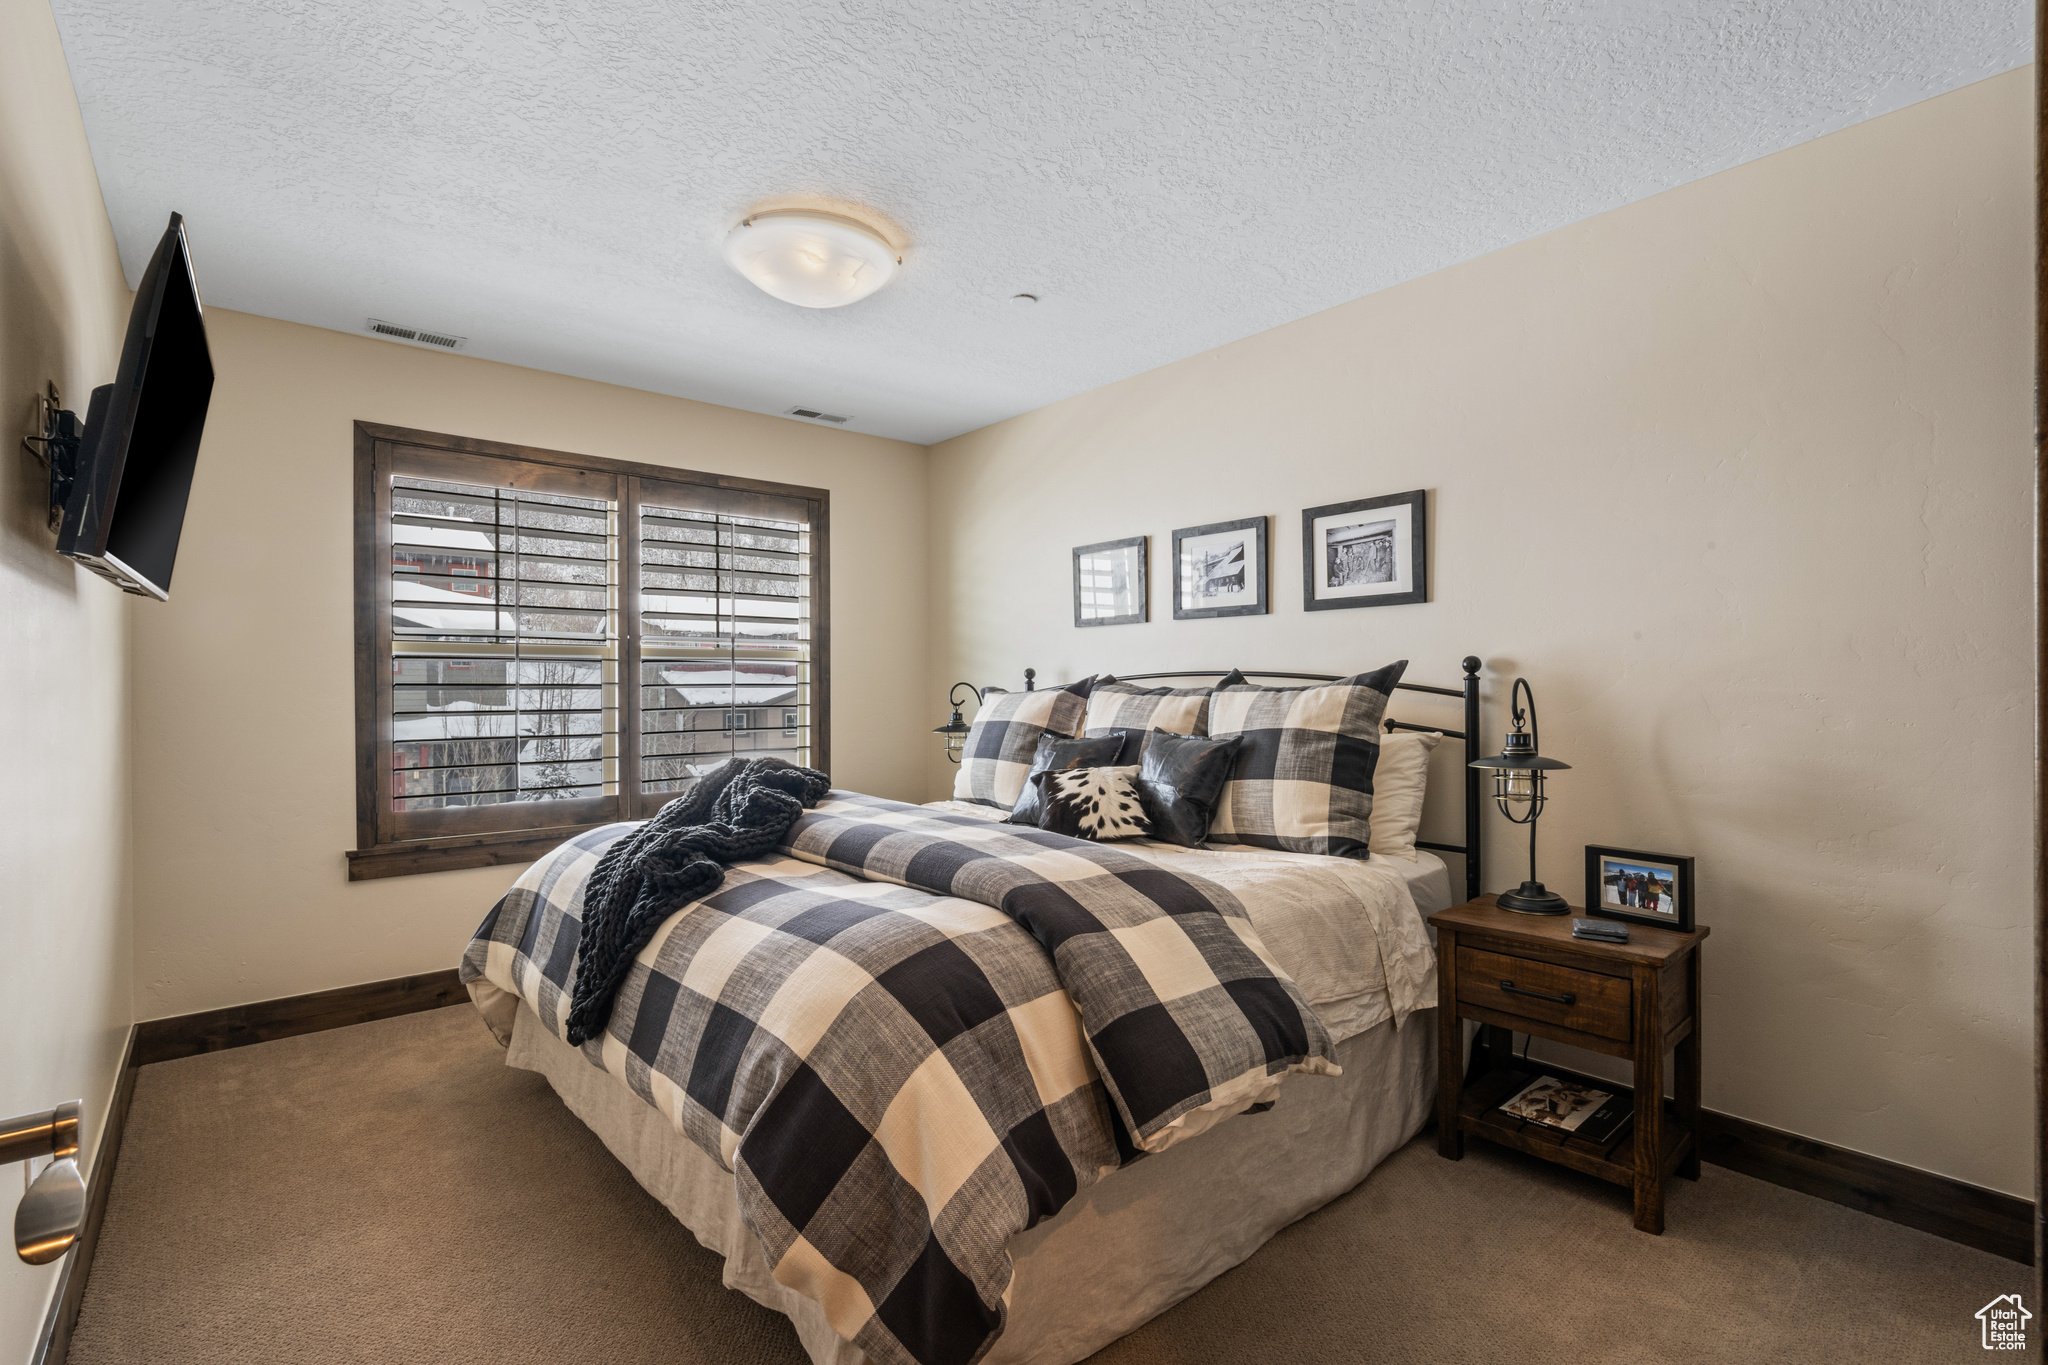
x=1642 y=888
x=1369 y=553
x=1109 y=584
x=1220 y=570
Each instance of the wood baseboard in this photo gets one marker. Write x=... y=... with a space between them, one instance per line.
x=1998 y=1223
x=53 y=1345
x=1970 y=1214
x=188 y=1035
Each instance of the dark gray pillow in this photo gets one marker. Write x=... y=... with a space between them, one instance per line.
x=1179 y=779
x=1059 y=756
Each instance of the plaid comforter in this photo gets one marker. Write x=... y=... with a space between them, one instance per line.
x=914 y=1036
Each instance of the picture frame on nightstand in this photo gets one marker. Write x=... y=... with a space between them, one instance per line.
x=1640 y=888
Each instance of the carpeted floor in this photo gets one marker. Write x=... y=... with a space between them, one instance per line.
x=393 y=1192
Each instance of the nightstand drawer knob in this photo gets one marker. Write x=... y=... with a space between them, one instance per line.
x=1566 y=999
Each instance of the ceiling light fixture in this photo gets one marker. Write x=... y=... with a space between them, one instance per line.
x=811 y=259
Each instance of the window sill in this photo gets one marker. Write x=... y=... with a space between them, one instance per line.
x=448 y=855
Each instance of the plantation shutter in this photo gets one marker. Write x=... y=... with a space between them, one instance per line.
x=548 y=642
x=502 y=708
x=723 y=632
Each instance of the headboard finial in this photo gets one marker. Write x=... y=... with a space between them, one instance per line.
x=1030 y=679
x=1471 y=665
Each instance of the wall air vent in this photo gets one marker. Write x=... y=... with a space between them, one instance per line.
x=425 y=338
x=812 y=414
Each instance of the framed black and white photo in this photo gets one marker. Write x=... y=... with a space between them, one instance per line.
x=1369 y=553
x=1109 y=583
x=1642 y=888
x=1220 y=570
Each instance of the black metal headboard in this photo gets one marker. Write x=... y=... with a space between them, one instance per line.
x=1469 y=692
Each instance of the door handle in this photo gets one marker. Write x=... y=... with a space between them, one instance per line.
x=1566 y=999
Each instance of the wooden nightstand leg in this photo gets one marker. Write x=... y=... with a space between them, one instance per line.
x=1500 y=1048
x=1686 y=1072
x=1450 y=1051
x=1649 y=1116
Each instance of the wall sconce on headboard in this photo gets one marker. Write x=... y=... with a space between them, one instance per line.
x=955 y=730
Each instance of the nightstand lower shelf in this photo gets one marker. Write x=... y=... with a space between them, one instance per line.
x=1612 y=1160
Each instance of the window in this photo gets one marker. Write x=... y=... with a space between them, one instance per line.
x=548 y=642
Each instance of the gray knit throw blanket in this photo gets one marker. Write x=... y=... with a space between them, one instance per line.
x=739 y=810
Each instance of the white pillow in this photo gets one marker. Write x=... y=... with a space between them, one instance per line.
x=1397 y=789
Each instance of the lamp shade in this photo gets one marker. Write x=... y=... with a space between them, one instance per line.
x=1518 y=763
x=1518 y=751
x=811 y=259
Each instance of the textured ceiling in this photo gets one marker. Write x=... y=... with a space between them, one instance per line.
x=552 y=179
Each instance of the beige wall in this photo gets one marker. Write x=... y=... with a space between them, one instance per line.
x=64 y=978
x=1738 y=477
x=243 y=695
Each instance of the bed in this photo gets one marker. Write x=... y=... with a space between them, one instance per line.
x=1149 y=1230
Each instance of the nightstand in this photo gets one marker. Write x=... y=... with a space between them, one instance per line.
x=1635 y=1000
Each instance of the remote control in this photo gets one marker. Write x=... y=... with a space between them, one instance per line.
x=1605 y=929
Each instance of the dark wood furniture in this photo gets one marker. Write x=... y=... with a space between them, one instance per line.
x=1635 y=1000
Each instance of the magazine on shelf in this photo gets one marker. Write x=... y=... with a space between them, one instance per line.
x=1572 y=1106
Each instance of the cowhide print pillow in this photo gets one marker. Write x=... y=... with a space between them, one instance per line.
x=1093 y=803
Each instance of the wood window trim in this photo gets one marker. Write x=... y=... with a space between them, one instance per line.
x=375 y=856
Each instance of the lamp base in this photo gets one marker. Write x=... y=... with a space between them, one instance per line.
x=1533 y=898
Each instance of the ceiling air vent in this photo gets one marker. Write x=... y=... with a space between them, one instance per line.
x=441 y=339
x=814 y=415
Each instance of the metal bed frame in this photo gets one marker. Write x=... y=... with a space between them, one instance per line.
x=1470 y=849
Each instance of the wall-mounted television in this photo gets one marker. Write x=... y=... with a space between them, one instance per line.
x=141 y=440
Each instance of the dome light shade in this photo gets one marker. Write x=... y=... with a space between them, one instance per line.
x=811 y=259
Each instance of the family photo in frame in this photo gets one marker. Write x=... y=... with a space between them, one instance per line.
x=1640 y=888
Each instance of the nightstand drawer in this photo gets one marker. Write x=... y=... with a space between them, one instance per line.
x=1518 y=985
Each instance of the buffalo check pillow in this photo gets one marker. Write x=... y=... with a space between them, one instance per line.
x=1116 y=708
x=1302 y=781
x=996 y=759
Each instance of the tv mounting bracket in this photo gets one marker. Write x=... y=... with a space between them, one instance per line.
x=56 y=447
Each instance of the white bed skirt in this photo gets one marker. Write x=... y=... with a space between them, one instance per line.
x=1125 y=1250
